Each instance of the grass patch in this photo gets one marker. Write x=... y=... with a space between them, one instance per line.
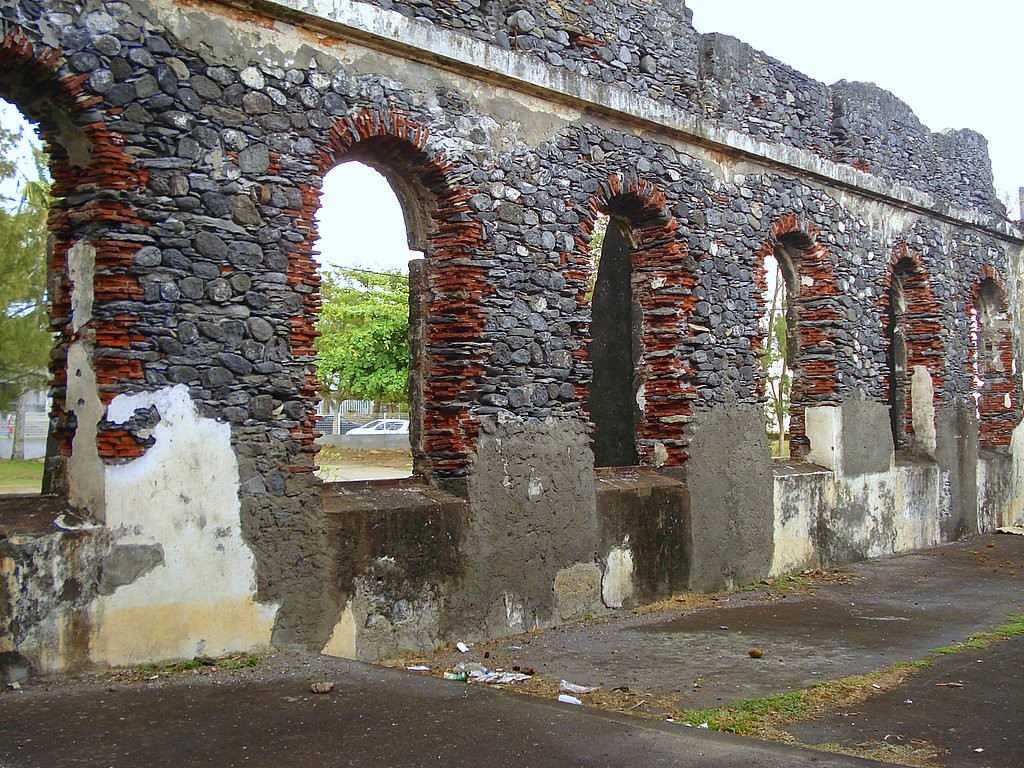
x=766 y=717
x=18 y=474
x=232 y=663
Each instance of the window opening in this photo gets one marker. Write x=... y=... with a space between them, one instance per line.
x=996 y=387
x=363 y=347
x=614 y=351
x=776 y=360
x=25 y=338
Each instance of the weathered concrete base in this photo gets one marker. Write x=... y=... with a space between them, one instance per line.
x=48 y=577
x=538 y=538
x=730 y=480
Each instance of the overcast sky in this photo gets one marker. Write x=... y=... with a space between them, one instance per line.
x=957 y=64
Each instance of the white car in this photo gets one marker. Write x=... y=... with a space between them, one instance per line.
x=382 y=427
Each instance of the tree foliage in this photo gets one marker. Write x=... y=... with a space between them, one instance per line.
x=25 y=340
x=775 y=356
x=363 y=345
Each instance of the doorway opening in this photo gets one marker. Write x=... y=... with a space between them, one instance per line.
x=616 y=319
x=776 y=354
x=364 y=324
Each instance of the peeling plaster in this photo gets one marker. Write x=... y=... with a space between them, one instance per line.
x=922 y=397
x=617 y=582
x=85 y=468
x=182 y=495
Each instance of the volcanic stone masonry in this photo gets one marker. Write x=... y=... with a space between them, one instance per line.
x=588 y=433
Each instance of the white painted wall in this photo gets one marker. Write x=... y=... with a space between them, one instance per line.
x=182 y=495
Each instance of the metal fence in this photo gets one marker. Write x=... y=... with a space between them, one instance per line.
x=328 y=424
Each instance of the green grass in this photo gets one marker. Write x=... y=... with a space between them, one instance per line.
x=18 y=474
x=765 y=717
x=233 y=662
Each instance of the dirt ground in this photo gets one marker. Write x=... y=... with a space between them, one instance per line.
x=338 y=465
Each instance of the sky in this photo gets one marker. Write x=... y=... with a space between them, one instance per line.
x=957 y=64
x=954 y=63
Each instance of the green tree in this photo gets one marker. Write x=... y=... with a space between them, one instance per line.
x=775 y=356
x=25 y=340
x=364 y=343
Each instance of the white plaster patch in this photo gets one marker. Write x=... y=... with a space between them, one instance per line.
x=85 y=468
x=659 y=455
x=535 y=488
x=823 y=427
x=182 y=495
x=799 y=501
x=922 y=400
x=617 y=580
x=343 y=639
x=514 y=613
x=81 y=269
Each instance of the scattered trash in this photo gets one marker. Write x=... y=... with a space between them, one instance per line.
x=513 y=648
x=322 y=686
x=876 y=686
x=15 y=686
x=755 y=653
x=573 y=688
x=567 y=699
x=724 y=627
x=451 y=674
x=980 y=749
x=949 y=685
x=704 y=726
x=1017 y=530
x=418 y=668
x=471 y=668
x=621 y=689
x=463 y=648
x=908 y=701
x=206 y=661
x=500 y=678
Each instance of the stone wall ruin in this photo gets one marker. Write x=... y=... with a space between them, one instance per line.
x=188 y=143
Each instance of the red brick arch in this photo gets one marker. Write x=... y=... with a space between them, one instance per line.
x=998 y=381
x=34 y=77
x=663 y=286
x=923 y=329
x=444 y=435
x=815 y=366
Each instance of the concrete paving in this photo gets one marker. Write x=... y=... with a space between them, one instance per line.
x=865 y=617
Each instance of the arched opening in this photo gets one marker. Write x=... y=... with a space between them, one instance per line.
x=363 y=346
x=777 y=354
x=896 y=356
x=445 y=287
x=641 y=293
x=791 y=252
x=25 y=340
x=615 y=349
x=996 y=378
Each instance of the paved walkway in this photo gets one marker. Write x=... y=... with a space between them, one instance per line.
x=871 y=615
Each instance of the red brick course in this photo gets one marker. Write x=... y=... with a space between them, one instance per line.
x=817 y=318
x=663 y=286
x=33 y=69
x=998 y=395
x=924 y=329
x=454 y=320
